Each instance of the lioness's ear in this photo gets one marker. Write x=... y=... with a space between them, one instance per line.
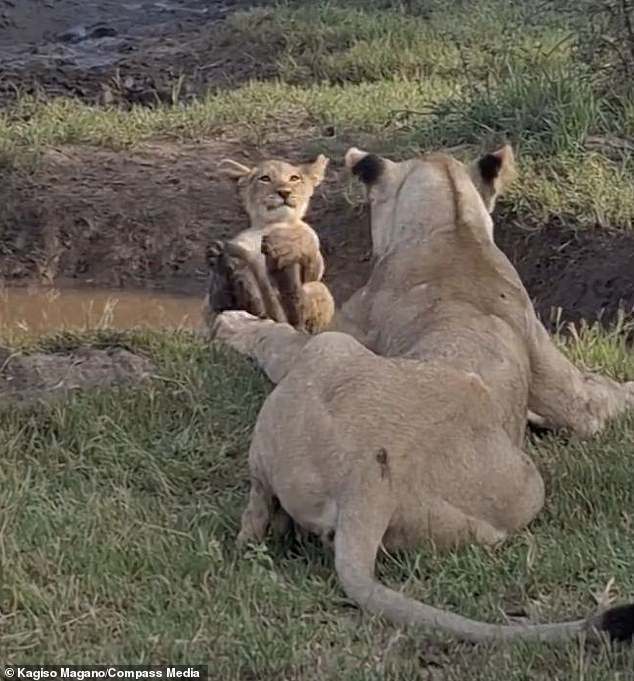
x=367 y=167
x=316 y=170
x=232 y=169
x=492 y=173
x=498 y=168
x=353 y=156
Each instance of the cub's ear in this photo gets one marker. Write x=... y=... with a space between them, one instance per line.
x=316 y=170
x=232 y=170
x=492 y=174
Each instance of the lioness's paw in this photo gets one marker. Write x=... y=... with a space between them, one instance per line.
x=235 y=328
x=244 y=539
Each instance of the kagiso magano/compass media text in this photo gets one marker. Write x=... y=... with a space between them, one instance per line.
x=79 y=674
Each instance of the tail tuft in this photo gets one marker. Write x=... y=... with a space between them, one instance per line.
x=618 y=622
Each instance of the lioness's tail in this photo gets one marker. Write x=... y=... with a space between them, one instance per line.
x=362 y=521
x=355 y=567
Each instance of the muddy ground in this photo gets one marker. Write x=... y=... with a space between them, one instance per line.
x=120 y=51
x=144 y=218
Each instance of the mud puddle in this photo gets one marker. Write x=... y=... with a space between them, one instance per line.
x=40 y=310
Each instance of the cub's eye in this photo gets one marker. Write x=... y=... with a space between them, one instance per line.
x=264 y=178
x=294 y=178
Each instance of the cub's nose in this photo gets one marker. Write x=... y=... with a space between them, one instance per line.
x=284 y=193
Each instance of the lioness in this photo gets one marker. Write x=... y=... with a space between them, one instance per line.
x=426 y=442
x=274 y=268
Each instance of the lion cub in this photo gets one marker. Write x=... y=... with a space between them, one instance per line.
x=274 y=268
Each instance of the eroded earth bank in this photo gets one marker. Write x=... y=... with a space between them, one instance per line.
x=140 y=218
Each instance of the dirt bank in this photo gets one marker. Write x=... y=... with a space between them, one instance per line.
x=119 y=219
x=587 y=273
x=144 y=219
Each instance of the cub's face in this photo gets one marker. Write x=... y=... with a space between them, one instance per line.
x=275 y=191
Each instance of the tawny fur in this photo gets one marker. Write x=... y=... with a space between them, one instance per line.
x=409 y=427
x=277 y=260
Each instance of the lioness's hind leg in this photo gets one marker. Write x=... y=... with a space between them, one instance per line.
x=281 y=523
x=564 y=396
x=319 y=306
x=257 y=515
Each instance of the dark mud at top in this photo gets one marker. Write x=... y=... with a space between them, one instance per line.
x=25 y=23
x=116 y=51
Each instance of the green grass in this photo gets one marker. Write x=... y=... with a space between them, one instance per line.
x=420 y=75
x=120 y=510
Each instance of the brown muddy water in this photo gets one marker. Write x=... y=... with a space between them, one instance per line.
x=40 y=310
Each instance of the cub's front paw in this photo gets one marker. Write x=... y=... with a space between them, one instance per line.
x=283 y=247
x=280 y=252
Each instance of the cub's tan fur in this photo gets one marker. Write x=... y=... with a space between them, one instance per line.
x=279 y=252
x=409 y=427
